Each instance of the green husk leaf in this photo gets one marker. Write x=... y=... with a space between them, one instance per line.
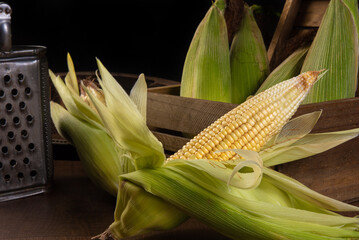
x=233 y=216
x=73 y=102
x=118 y=114
x=138 y=95
x=335 y=48
x=139 y=212
x=206 y=71
x=71 y=78
x=297 y=189
x=307 y=146
x=289 y=68
x=96 y=149
x=249 y=62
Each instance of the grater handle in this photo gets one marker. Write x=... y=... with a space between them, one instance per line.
x=5 y=27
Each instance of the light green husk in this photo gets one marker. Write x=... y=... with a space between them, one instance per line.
x=249 y=62
x=206 y=71
x=241 y=198
x=335 y=48
x=289 y=68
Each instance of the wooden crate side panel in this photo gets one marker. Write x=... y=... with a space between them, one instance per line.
x=336 y=115
x=310 y=13
x=334 y=173
x=183 y=114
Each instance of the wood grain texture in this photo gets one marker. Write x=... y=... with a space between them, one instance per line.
x=183 y=114
x=311 y=13
x=74 y=209
x=333 y=173
x=284 y=27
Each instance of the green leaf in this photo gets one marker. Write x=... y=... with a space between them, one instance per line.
x=138 y=95
x=289 y=68
x=248 y=56
x=335 y=48
x=206 y=71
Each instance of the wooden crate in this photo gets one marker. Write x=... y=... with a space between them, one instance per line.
x=334 y=173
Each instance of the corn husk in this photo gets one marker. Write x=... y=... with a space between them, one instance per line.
x=249 y=62
x=335 y=48
x=206 y=71
x=289 y=68
x=256 y=204
x=246 y=198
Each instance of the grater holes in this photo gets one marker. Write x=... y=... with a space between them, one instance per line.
x=7 y=79
x=2 y=94
x=5 y=150
x=11 y=136
x=8 y=107
x=20 y=176
x=31 y=147
x=16 y=121
x=29 y=119
x=24 y=134
x=22 y=106
x=7 y=178
x=33 y=173
x=20 y=78
x=3 y=122
x=13 y=163
x=26 y=161
x=18 y=148
x=14 y=93
x=28 y=91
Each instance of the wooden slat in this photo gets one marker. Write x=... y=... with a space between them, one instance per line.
x=334 y=173
x=337 y=115
x=183 y=114
x=171 y=142
x=284 y=27
x=311 y=13
x=171 y=90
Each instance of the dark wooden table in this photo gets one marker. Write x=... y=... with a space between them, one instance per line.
x=73 y=209
x=76 y=209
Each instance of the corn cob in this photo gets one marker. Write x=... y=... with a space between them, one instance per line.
x=250 y=125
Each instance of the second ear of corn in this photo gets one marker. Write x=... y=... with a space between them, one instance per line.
x=215 y=71
x=206 y=71
x=335 y=48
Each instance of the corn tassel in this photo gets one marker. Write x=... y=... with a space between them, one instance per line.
x=249 y=63
x=206 y=71
x=335 y=48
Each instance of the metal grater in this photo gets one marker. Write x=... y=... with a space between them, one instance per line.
x=25 y=135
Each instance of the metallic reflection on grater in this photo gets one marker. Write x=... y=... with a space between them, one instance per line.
x=26 y=166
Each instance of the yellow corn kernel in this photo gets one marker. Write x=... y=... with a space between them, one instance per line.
x=251 y=124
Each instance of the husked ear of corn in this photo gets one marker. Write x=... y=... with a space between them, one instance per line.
x=250 y=125
x=289 y=68
x=249 y=62
x=206 y=71
x=335 y=48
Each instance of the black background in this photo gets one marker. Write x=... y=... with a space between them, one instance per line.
x=127 y=36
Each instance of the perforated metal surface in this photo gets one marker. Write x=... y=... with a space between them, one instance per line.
x=25 y=144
